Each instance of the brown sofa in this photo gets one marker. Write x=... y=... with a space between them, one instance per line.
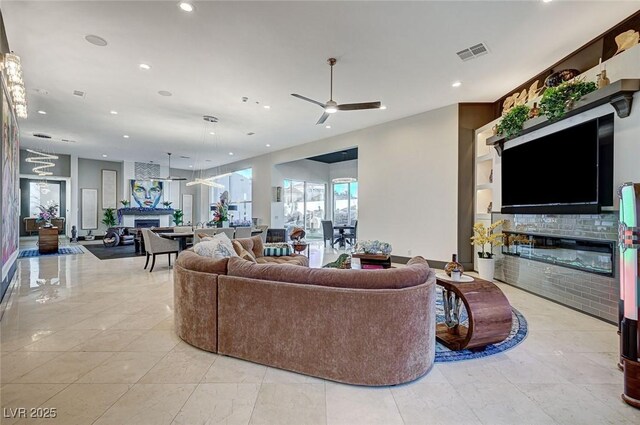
x=366 y=327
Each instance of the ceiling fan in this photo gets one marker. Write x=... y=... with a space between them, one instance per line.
x=332 y=106
x=169 y=178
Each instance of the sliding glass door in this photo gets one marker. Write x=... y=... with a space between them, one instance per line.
x=304 y=206
x=345 y=203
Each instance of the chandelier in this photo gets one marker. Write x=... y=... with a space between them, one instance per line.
x=209 y=181
x=15 y=83
x=44 y=159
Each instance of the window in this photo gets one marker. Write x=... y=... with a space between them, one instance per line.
x=43 y=193
x=304 y=206
x=345 y=203
x=239 y=186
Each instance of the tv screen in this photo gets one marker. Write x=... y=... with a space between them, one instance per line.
x=557 y=170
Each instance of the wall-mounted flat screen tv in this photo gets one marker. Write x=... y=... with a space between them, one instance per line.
x=566 y=172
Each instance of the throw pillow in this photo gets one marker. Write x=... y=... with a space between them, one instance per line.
x=276 y=250
x=243 y=253
x=218 y=247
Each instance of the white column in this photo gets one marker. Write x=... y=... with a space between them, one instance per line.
x=73 y=209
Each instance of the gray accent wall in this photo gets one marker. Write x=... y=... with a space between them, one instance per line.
x=90 y=177
x=61 y=169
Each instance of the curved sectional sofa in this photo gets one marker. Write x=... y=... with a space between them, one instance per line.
x=365 y=327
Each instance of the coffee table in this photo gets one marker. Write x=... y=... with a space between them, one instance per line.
x=488 y=310
x=374 y=260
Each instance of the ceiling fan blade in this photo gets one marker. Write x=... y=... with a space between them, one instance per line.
x=176 y=179
x=308 y=100
x=358 y=106
x=323 y=118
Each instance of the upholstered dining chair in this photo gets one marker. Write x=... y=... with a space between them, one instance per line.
x=155 y=245
x=243 y=232
x=230 y=231
x=352 y=235
x=209 y=231
x=264 y=229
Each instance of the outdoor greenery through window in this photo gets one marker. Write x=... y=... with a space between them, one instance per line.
x=238 y=184
x=304 y=206
x=345 y=203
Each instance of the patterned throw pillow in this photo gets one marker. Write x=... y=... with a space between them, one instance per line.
x=218 y=247
x=276 y=250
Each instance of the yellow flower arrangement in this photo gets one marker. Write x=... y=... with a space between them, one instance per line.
x=483 y=236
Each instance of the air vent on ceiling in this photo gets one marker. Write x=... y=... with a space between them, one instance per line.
x=185 y=157
x=41 y=135
x=79 y=93
x=251 y=133
x=473 y=52
x=67 y=141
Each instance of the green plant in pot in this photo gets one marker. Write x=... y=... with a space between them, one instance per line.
x=513 y=121
x=109 y=217
x=178 y=216
x=556 y=101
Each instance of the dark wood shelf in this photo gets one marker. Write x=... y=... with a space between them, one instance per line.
x=619 y=94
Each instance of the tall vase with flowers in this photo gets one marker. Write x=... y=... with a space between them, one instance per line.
x=221 y=214
x=48 y=212
x=486 y=239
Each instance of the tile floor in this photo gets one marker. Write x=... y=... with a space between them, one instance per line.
x=94 y=340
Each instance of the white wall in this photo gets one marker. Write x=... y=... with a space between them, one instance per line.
x=408 y=176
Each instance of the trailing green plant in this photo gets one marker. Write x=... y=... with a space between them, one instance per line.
x=109 y=217
x=513 y=121
x=178 y=216
x=557 y=100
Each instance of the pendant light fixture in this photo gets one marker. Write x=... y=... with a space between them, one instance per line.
x=208 y=120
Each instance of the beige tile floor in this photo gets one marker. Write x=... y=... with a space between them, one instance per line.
x=94 y=340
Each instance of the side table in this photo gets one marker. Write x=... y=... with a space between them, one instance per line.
x=48 y=240
x=488 y=310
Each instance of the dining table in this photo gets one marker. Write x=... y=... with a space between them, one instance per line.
x=181 y=237
x=342 y=238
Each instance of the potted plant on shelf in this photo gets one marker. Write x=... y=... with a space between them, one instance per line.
x=178 y=216
x=483 y=237
x=109 y=217
x=167 y=204
x=125 y=203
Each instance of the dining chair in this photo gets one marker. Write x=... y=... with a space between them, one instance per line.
x=243 y=232
x=183 y=229
x=209 y=231
x=328 y=234
x=264 y=229
x=230 y=231
x=155 y=245
x=352 y=235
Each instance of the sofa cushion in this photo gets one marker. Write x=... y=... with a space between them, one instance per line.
x=252 y=244
x=243 y=253
x=276 y=250
x=415 y=273
x=191 y=261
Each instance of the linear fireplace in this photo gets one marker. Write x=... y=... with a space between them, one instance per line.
x=146 y=222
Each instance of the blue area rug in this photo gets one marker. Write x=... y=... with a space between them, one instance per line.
x=64 y=250
x=517 y=335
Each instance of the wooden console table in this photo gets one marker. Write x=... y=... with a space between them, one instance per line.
x=48 y=240
x=488 y=310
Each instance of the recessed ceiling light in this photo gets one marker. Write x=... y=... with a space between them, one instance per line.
x=456 y=84
x=186 y=6
x=95 y=40
x=113 y=112
x=327 y=126
x=165 y=93
x=268 y=145
x=383 y=106
x=42 y=112
x=41 y=91
x=104 y=155
x=547 y=1
x=190 y=166
x=231 y=153
x=145 y=66
x=267 y=107
x=126 y=136
x=212 y=133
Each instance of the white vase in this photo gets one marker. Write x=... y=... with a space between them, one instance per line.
x=486 y=268
x=225 y=224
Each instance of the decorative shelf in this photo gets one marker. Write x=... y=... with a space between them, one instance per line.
x=485 y=157
x=619 y=94
x=484 y=186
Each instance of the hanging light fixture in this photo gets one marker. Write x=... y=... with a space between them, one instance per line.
x=44 y=159
x=344 y=180
x=209 y=181
x=15 y=84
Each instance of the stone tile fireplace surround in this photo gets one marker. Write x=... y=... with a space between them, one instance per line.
x=588 y=292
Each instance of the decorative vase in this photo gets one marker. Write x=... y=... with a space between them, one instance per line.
x=603 y=81
x=486 y=268
x=453 y=265
x=225 y=224
x=47 y=224
x=218 y=224
x=535 y=111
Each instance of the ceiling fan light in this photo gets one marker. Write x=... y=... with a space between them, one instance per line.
x=331 y=107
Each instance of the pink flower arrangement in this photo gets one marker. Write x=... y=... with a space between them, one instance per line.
x=48 y=212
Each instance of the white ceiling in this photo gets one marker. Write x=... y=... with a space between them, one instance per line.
x=402 y=53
